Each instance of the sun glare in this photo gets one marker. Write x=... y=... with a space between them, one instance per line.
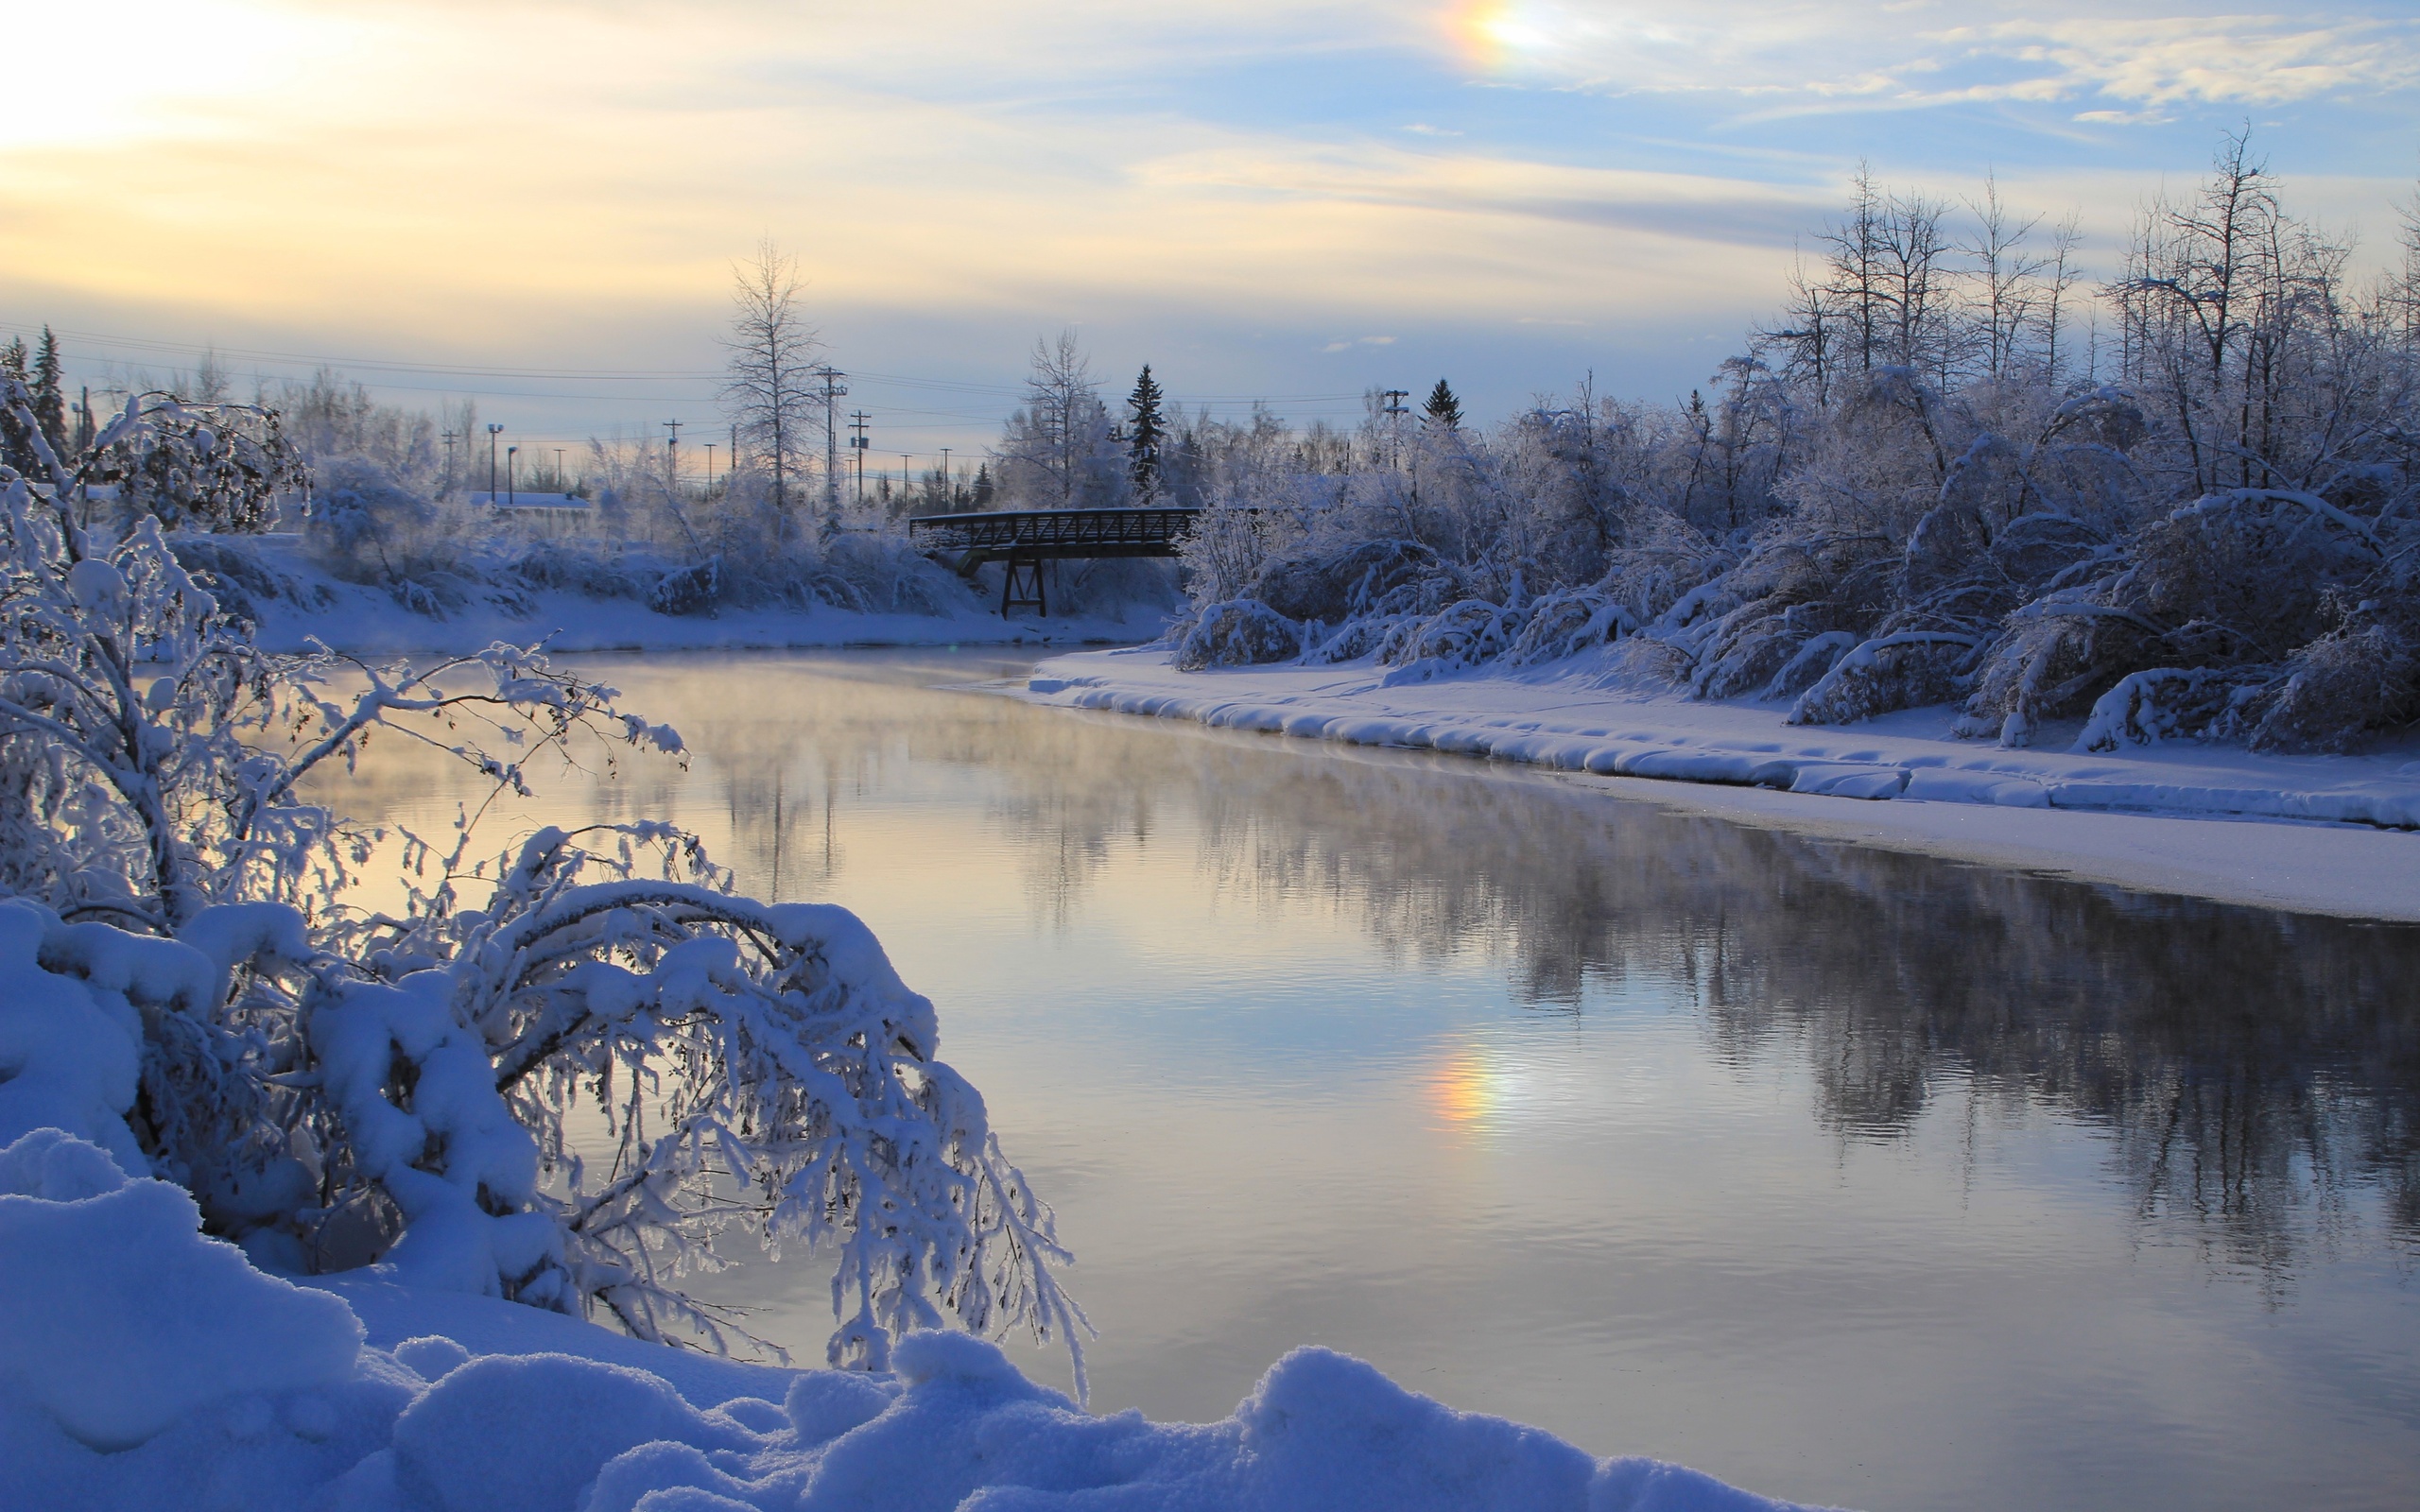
x=1499 y=33
x=166 y=68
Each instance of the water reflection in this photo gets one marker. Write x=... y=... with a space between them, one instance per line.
x=1845 y=1174
x=2251 y=1068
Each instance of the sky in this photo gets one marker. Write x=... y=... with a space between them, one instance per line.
x=538 y=203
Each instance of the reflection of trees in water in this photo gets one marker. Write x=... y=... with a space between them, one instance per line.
x=2252 y=1071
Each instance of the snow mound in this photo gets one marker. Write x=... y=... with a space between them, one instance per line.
x=144 y=1365
x=519 y=1433
x=121 y=1317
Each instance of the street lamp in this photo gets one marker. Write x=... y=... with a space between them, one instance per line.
x=510 y=453
x=493 y=431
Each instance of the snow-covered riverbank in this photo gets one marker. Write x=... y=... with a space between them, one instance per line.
x=2331 y=834
x=294 y=601
x=144 y=1366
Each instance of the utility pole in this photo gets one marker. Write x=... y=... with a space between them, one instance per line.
x=710 y=468
x=672 y=453
x=950 y=494
x=833 y=389
x=904 y=483
x=493 y=431
x=449 y=462
x=510 y=497
x=857 y=444
x=1394 y=411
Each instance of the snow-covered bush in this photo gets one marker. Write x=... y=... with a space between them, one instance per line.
x=1240 y=632
x=196 y=467
x=365 y=524
x=188 y=988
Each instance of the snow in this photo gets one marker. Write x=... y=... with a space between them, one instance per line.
x=142 y=1364
x=366 y=621
x=123 y=1320
x=2330 y=833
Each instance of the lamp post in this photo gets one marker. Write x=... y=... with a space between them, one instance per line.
x=509 y=497
x=493 y=431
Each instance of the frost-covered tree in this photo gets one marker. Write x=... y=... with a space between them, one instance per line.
x=770 y=391
x=1913 y=490
x=339 y=1087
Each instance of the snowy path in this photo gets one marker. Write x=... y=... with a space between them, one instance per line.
x=2331 y=834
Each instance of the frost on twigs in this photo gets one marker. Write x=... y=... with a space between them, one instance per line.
x=187 y=986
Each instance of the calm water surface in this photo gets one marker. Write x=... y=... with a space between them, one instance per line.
x=1843 y=1175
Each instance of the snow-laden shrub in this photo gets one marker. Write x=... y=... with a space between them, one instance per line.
x=882 y=572
x=198 y=467
x=1461 y=635
x=2340 y=687
x=1359 y=578
x=689 y=589
x=2165 y=703
x=593 y=568
x=336 y=1088
x=1240 y=633
x=1566 y=623
x=1891 y=672
x=237 y=579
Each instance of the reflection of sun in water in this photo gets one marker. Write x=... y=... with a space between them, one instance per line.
x=1495 y=33
x=1470 y=1091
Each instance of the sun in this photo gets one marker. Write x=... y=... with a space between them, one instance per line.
x=1499 y=33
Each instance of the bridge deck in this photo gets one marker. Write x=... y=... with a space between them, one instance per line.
x=1041 y=535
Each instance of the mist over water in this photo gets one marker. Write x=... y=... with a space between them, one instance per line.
x=1843 y=1175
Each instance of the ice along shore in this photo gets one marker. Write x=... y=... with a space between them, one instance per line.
x=2328 y=834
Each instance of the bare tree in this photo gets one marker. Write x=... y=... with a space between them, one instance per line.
x=770 y=391
x=2008 y=278
x=1055 y=450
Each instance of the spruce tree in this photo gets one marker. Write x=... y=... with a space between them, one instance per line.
x=1443 y=408
x=16 y=445
x=1143 y=441
x=982 y=485
x=50 y=395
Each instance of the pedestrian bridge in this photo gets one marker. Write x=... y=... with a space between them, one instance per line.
x=1025 y=539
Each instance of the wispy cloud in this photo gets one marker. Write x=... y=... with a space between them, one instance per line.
x=572 y=177
x=1926 y=54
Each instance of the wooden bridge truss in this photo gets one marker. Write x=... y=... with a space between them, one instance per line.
x=1023 y=539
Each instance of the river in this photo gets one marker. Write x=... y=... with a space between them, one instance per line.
x=1842 y=1174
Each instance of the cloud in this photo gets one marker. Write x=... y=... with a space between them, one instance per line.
x=1924 y=55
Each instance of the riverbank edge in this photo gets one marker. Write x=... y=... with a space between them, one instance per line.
x=2219 y=826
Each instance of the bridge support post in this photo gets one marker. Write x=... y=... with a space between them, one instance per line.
x=1021 y=587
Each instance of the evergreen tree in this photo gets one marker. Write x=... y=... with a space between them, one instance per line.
x=982 y=485
x=50 y=395
x=16 y=444
x=1143 y=442
x=1443 y=408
